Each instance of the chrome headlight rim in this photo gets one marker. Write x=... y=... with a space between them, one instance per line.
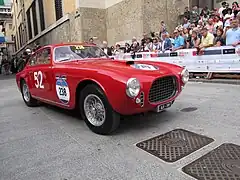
x=185 y=75
x=131 y=91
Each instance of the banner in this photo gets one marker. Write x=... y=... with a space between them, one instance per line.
x=215 y=59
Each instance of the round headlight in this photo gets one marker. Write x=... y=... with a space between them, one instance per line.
x=185 y=76
x=133 y=87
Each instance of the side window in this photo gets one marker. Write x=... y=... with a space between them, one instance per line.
x=33 y=60
x=44 y=56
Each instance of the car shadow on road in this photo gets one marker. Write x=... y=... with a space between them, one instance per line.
x=145 y=121
x=137 y=122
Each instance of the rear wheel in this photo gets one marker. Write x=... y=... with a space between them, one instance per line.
x=26 y=95
x=97 y=112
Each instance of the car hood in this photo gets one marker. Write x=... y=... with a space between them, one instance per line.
x=127 y=68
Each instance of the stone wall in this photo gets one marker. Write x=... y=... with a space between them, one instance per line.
x=122 y=21
x=132 y=18
x=93 y=23
x=154 y=11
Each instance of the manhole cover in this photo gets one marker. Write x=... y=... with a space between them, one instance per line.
x=189 y=109
x=221 y=163
x=174 y=145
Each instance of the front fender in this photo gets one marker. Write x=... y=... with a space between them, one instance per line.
x=115 y=91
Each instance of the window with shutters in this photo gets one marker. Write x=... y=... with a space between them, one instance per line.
x=58 y=9
x=29 y=24
x=34 y=14
x=20 y=32
x=41 y=14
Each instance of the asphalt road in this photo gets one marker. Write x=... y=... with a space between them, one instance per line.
x=49 y=144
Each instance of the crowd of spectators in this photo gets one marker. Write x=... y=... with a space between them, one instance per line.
x=200 y=29
x=16 y=64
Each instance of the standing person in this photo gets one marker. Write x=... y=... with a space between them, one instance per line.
x=166 y=43
x=178 y=41
x=195 y=40
x=127 y=48
x=238 y=18
x=187 y=13
x=22 y=61
x=218 y=24
x=221 y=9
x=5 y=65
x=219 y=40
x=107 y=49
x=91 y=41
x=117 y=50
x=207 y=39
x=14 y=64
x=144 y=39
x=0 y=62
x=235 y=8
x=233 y=34
x=156 y=44
x=194 y=18
x=210 y=26
x=226 y=10
x=186 y=22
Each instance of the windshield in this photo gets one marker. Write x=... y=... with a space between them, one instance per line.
x=79 y=52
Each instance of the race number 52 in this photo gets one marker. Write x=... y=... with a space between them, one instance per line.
x=38 y=77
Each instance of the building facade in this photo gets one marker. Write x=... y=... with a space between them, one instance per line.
x=7 y=46
x=55 y=21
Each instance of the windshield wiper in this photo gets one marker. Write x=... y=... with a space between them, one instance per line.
x=64 y=59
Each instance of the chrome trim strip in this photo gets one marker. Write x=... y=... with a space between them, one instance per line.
x=53 y=102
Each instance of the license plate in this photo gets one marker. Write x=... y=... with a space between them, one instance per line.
x=161 y=107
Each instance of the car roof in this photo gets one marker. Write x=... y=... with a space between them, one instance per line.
x=64 y=44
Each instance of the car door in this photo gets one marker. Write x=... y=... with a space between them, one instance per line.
x=42 y=76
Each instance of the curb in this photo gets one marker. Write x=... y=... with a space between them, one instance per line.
x=217 y=81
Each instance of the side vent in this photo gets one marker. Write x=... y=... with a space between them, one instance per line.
x=142 y=99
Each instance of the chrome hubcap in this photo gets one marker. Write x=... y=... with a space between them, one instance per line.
x=94 y=110
x=26 y=93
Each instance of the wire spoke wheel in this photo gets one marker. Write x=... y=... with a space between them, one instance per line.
x=26 y=93
x=94 y=110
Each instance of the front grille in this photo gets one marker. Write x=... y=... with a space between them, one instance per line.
x=162 y=89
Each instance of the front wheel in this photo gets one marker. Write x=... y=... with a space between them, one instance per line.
x=26 y=95
x=97 y=112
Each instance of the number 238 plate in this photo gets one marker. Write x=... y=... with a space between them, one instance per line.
x=161 y=107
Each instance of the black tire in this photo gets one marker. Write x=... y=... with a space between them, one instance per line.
x=112 y=119
x=31 y=102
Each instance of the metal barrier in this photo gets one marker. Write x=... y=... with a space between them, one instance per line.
x=225 y=59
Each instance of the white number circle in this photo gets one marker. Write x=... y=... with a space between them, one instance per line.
x=62 y=90
x=145 y=67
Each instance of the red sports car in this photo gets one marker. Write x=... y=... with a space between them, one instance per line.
x=83 y=77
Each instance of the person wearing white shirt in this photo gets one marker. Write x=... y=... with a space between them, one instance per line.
x=221 y=9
